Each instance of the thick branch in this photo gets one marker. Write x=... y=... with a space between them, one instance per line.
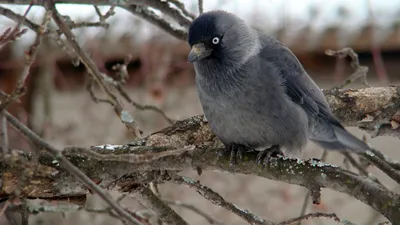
x=370 y=109
x=195 y=131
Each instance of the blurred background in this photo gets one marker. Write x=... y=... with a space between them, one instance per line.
x=58 y=107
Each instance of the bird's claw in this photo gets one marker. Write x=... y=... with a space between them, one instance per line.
x=235 y=151
x=264 y=157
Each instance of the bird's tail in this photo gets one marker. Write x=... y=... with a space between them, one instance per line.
x=343 y=141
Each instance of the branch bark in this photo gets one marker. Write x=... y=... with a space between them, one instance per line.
x=115 y=174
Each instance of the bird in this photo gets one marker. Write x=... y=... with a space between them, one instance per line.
x=255 y=93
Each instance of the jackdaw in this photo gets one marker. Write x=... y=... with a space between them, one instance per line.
x=255 y=93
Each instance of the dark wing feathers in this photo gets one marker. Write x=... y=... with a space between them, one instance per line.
x=300 y=88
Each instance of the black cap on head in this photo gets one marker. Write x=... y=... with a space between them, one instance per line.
x=209 y=25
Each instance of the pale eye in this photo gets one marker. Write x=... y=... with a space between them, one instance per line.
x=215 y=40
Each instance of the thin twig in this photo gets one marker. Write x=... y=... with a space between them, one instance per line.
x=8 y=36
x=4 y=132
x=218 y=200
x=123 y=76
x=383 y=165
x=64 y=162
x=90 y=89
x=18 y=18
x=150 y=16
x=201 y=9
x=193 y=208
x=309 y=216
x=109 y=13
x=182 y=7
x=124 y=115
x=30 y=56
x=74 y=25
x=143 y=107
x=360 y=168
x=25 y=213
x=360 y=72
x=387 y=159
x=305 y=205
x=165 y=213
x=172 y=12
x=143 y=219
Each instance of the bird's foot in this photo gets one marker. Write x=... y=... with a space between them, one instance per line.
x=263 y=157
x=235 y=151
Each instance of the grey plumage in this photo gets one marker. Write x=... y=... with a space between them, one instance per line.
x=255 y=92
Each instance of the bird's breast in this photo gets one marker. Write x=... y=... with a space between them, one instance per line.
x=249 y=113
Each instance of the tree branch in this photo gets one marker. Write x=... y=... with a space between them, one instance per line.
x=218 y=200
x=148 y=15
x=124 y=115
x=157 y=206
x=367 y=108
x=68 y=166
x=195 y=131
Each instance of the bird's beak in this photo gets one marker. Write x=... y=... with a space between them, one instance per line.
x=199 y=51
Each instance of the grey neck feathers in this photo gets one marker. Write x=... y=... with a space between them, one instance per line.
x=235 y=56
x=224 y=76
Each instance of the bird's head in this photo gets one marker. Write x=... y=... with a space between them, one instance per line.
x=220 y=36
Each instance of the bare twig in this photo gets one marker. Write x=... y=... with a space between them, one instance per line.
x=30 y=56
x=218 y=200
x=387 y=159
x=360 y=72
x=8 y=36
x=157 y=206
x=193 y=208
x=200 y=3
x=16 y=17
x=90 y=88
x=3 y=132
x=166 y=8
x=310 y=216
x=74 y=25
x=124 y=115
x=24 y=213
x=109 y=13
x=383 y=165
x=305 y=206
x=122 y=70
x=123 y=75
x=143 y=107
x=64 y=162
x=150 y=16
x=353 y=162
x=360 y=168
x=182 y=7
x=143 y=219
